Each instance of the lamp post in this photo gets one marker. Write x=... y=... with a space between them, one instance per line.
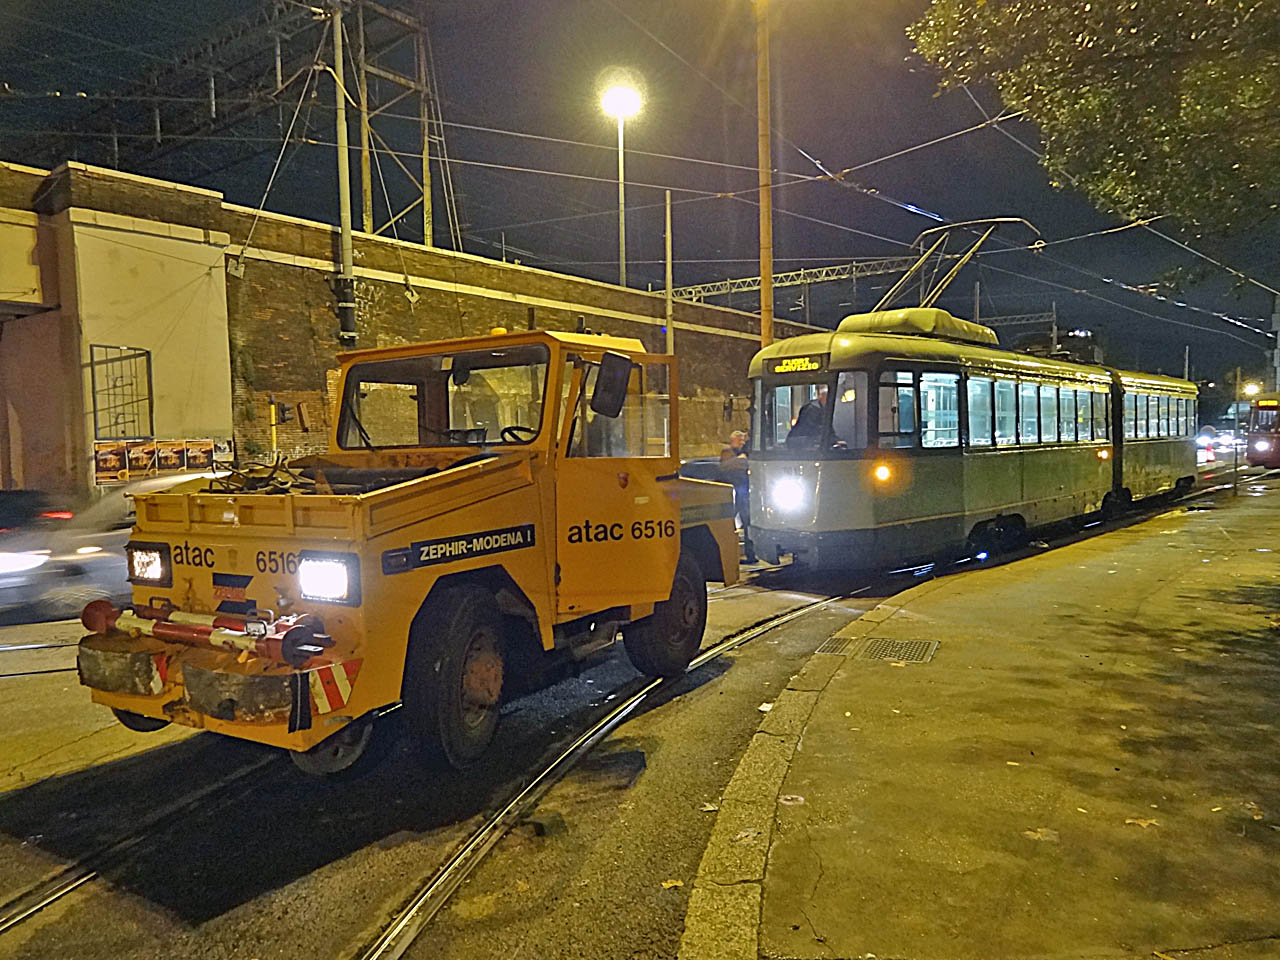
x=1248 y=390
x=622 y=103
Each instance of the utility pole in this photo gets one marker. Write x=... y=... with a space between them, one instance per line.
x=1275 y=350
x=1055 y=327
x=764 y=157
x=670 y=298
x=1186 y=362
x=346 y=285
x=977 y=301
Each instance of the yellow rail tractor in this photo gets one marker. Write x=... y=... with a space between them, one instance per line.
x=486 y=504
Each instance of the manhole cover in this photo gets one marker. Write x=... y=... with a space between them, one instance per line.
x=836 y=644
x=899 y=651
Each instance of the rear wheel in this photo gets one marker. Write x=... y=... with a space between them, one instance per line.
x=453 y=677
x=138 y=722
x=662 y=644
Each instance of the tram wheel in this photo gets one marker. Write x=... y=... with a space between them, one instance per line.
x=138 y=722
x=662 y=644
x=349 y=753
x=452 y=688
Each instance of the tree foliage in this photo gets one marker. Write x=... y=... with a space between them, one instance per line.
x=1151 y=107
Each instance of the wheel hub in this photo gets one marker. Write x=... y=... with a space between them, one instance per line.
x=481 y=678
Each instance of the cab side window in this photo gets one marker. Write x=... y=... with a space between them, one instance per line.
x=642 y=429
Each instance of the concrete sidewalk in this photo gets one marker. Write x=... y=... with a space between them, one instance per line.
x=1087 y=767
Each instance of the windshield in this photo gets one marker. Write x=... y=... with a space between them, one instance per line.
x=480 y=397
x=1265 y=419
x=811 y=416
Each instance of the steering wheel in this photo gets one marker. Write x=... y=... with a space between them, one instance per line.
x=515 y=430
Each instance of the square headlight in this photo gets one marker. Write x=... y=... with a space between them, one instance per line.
x=149 y=563
x=329 y=577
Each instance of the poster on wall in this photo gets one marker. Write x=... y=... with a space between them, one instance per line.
x=171 y=455
x=110 y=461
x=199 y=454
x=224 y=451
x=142 y=459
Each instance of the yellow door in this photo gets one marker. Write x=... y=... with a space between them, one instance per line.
x=618 y=530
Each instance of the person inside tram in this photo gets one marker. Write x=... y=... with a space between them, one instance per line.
x=810 y=424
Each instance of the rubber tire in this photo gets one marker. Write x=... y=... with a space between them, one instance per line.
x=139 y=723
x=433 y=676
x=369 y=735
x=663 y=644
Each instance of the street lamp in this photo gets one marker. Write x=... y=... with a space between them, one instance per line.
x=621 y=102
x=1252 y=389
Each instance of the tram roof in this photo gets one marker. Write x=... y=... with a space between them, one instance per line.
x=845 y=350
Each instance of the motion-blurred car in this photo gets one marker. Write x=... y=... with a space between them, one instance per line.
x=20 y=510
x=49 y=572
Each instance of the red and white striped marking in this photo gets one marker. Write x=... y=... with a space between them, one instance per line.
x=331 y=686
x=160 y=675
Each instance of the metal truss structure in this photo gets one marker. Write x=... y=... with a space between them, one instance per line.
x=796 y=278
x=232 y=97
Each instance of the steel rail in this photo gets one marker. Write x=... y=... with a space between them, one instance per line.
x=54 y=888
x=413 y=917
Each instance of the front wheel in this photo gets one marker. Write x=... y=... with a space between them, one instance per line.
x=349 y=753
x=452 y=688
x=139 y=723
x=663 y=644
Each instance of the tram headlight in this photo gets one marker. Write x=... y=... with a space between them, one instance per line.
x=1262 y=446
x=788 y=494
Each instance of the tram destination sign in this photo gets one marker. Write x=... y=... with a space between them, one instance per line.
x=813 y=363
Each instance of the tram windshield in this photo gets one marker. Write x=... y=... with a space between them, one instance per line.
x=1265 y=417
x=810 y=417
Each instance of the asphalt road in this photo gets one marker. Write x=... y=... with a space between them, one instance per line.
x=281 y=866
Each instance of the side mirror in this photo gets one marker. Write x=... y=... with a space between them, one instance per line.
x=611 y=385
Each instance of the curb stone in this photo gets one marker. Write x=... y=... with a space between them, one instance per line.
x=723 y=919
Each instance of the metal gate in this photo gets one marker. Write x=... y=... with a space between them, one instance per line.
x=121 y=386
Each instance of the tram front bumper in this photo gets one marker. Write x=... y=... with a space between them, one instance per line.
x=839 y=549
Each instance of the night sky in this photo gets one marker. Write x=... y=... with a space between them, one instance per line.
x=847 y=90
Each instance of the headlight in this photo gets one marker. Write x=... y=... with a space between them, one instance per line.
x=1262 y=446
x=149 y=563
x=788 y=494
x=20 y=562
x=331 y=578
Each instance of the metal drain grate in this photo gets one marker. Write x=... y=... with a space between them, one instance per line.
x=836 y=644
x=899 y=651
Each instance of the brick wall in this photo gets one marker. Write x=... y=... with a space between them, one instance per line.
x=283 y=327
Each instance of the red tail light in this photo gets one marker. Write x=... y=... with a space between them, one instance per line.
x=57 y=515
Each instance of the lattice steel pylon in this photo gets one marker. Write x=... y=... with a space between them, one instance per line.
x=230 y=98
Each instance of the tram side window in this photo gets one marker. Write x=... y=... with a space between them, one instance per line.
x=1181 y=414
x=1130 y=416
x=1144 y=416
x=1029 y=413
x=897 y=426
x=1006 y=412
x=1101 y=420
x=940 y=410
x=849 y=414
x=1067 y=414
x=1166 y=428
x=980 y=419
x=1083 y=415
x=1048 y=413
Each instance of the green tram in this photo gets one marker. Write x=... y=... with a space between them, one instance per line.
x=906 y=433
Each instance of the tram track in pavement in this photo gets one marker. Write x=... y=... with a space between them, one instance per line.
x=431 y=896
